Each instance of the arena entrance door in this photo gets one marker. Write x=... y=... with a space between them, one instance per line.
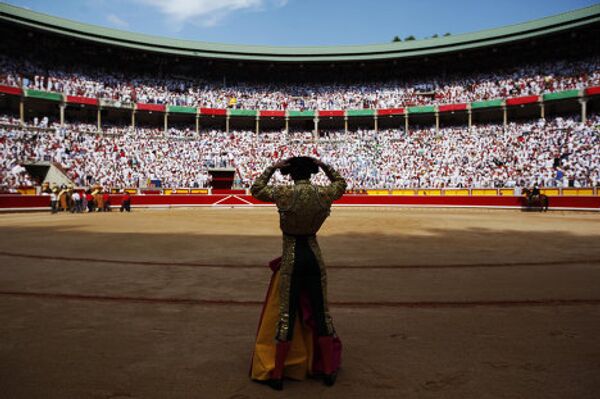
x=222 y=178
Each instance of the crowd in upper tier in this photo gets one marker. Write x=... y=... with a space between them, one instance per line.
x=557 y=152
x=524 y=80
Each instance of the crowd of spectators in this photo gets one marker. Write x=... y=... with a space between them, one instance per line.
x=524 y=80
x=557 y=152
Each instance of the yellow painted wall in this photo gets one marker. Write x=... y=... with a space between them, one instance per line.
x=27 y=191
x=430 y=192
x=378 y=192
x=484 y=191
x=457 y=191
x=551 y=192
x=578 y=191
x=403 y=192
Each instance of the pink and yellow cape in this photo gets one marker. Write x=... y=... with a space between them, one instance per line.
x=304 y=357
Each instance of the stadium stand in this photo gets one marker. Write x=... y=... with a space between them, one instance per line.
x=521 y=111
x=558 y=152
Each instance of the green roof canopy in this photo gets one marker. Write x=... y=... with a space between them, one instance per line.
x=491 y=37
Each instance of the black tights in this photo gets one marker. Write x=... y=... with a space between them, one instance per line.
x=306 y=277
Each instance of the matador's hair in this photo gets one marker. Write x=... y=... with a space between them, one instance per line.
x=300 y=167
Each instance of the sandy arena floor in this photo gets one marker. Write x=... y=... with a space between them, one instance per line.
x=429 y=303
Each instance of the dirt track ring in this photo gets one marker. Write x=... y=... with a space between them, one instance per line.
x=165 y=303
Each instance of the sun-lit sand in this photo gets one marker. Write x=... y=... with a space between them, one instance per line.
x=429 y=303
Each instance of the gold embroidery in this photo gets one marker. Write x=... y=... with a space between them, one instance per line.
x=285 y=279
x=314 y=246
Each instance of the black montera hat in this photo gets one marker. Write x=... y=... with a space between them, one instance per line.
x=300 y=165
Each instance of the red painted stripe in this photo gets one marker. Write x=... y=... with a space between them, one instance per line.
x=452 y=107
x=279 y=114
x=151 y=107
x=191 y=199
x=522 y=100
x=589 y=202
x=592 y=91
x=568 y=262
x=213 y=111
x=390 y=111
x=555 y=202
x=468 y=304
x=125 y=262
x=82 y=100
x=227 y=191
x=331 y=113
x=350 y=304
x=11 y=90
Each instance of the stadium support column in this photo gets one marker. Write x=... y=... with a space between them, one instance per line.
x=406 y=123
x=257 y=122
x=470 y=118
x=62 y=113
x=197 y=125
x=166 y=123
x=133 y=119
x=346 y=125
x=583 y=102
x=227 y=122
x=437 y=122
x=22 y=110
x=99 y=118
x=375 y=122
x=504 y=116
x=542 y=110
x=287 y=124
x=316 y=131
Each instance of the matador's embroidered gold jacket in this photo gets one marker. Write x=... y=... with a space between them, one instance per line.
x=302 y=208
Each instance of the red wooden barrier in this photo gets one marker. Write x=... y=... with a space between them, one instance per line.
x=268 y=113
x=332 y=113
x=452 y=107
x=150 y=107
x=522 y=100
x=16 y=202
x=82 y=100
x=390 y=111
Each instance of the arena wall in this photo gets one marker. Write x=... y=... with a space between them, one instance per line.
x=584 y=203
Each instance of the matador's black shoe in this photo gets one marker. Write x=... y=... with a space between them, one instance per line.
x=275 y=384
x=329 y=379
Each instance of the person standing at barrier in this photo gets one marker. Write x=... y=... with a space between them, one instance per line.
x=45 y=190
x=54 y=200
x=89 y=197
x=106 y=202
x=126 y=202
x=69 y=195
x=98 y=198
x=296 y=305
x=76 y=199
x=63 y=204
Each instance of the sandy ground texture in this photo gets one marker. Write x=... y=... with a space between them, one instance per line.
x=429 y=303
